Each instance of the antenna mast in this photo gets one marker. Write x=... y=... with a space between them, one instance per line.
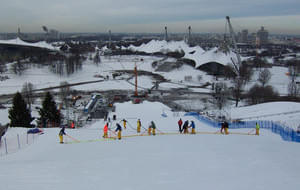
x=166 y=33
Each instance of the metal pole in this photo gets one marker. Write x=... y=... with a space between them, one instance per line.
x=18 y=141
x=5 y=146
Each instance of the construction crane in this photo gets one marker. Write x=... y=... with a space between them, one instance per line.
x=232 y=35
x=135 y=73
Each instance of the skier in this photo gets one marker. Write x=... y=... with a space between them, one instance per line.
x=193 y=127
x=226 y=126
x=257 y=129
x=105 y=130
x=179 y=125
x=153 y=128
x=149 y=129
x=139 y=124
x=61 y=134
x=185 y=127
x=222 y=127
x=119 y=130
x=124 y=123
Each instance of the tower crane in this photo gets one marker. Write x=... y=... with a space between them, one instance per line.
x=232 y=35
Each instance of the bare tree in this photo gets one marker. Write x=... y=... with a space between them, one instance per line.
x=293 y=88
x=220 y=94
x=3 y=67
x=238 y=86
x=17 y=67
x=239 y=82
x=97 y=58
x=64 y=91
x=27 y=92
x=264 y=76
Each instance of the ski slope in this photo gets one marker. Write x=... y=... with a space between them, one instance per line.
x=169 y=161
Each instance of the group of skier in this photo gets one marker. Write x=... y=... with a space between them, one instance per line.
x=118 y=130
x=185 y=127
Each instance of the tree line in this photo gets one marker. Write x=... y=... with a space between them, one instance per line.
x=20 y=112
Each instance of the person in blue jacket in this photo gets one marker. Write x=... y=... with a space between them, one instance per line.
x=119 y=130
x=61 y=134
x=193 y=127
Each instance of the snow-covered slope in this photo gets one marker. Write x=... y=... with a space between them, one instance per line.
x=286 y=113
x=208 y=161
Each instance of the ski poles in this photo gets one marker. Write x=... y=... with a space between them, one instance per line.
x=131 y=126
x=250 y=131
x=73 y=138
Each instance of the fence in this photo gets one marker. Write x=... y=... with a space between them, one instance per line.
x=10 y=145
x=286 y=133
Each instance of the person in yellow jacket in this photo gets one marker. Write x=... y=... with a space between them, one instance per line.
x=124 y=123
x=139 y=124
x=257 y=127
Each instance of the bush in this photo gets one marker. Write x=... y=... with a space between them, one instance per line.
x=260 y=94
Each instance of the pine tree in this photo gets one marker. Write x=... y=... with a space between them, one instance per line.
x=19 y=114
x=49 y=112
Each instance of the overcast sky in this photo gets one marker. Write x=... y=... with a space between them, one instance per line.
x=278 y=16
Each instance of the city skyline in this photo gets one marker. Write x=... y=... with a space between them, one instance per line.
x=135 y=16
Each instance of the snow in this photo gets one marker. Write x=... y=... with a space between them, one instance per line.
x=194 y=53
x=214 y=55
x=286 y=113
x=20 y=42
x=174 y=161
x=279 y=80
x=168 y=160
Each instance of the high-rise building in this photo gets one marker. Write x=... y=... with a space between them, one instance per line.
x=262 y=36
x=244 y=36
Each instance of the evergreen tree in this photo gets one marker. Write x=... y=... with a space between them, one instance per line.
x=19 y=114
x=49 y=112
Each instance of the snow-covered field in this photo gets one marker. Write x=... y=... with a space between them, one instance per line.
x=170 y=161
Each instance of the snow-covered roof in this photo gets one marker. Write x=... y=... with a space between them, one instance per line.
x=194 y=53
x=19 y=42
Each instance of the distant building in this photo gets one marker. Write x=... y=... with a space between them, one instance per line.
x=244 y=36
x=262 y=36
x=252 y=38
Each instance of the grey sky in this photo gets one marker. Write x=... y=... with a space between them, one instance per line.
x=278 y=16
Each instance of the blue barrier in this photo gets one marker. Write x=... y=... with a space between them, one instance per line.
x=286 y=133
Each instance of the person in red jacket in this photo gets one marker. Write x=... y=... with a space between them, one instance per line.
x=105 y=131
x=179 y=125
